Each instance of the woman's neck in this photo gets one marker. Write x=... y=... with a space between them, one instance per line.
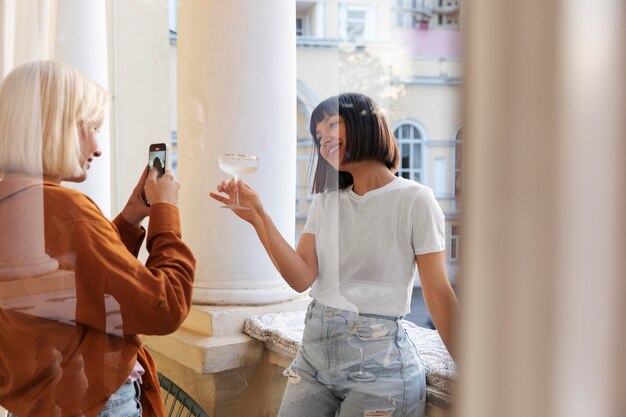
x=369 y=175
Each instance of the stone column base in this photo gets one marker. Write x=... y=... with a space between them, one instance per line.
x=227 y=372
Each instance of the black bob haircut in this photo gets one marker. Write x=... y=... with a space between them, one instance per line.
x=368 y=137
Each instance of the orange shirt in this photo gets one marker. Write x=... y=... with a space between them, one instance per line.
x=68 y=338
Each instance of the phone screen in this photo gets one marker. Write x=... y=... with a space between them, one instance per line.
x=156 y=157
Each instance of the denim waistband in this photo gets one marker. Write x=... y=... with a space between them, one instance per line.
x=318 y=309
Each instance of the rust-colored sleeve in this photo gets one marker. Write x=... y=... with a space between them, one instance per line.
x=153 y=299
x=131 y=236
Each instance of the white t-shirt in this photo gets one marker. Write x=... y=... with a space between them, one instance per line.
x=366 y=245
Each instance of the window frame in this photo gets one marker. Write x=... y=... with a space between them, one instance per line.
x=369 y=26
x=421 y=141
x=458 y=203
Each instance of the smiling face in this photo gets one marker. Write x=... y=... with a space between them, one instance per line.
x=330 y=133
x=89 y=150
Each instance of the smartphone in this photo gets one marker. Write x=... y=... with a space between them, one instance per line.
x=157 y=154
x=156 y=157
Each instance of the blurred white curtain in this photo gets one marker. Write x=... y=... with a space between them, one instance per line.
x=542 y=331
x=27 y=32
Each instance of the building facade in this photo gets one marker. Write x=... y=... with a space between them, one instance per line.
x=406 y=54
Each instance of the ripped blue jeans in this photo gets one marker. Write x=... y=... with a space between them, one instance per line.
x=328 y=378
x=125 y=402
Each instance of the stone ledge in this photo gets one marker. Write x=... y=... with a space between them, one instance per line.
x=207 y=355
x=228 y=320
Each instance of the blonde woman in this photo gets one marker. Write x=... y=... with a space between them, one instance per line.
x=85 y=359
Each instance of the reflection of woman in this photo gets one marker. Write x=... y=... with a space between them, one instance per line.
x=85 y=359
x=158 y=165
x=365 y=232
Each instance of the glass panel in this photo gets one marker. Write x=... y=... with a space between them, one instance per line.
x=406 y=131
x=356 y=15
x=406 y=174
x=417 y=155
x=458 y=187
x=414 y=21
x=417 y=176
x=456 y=231
x=355 y=29
x=400 y=20
x=415 y=133
x=299 y=30
x=453 y=248
x=458 y=157
x=406 y=162
x=406 y=150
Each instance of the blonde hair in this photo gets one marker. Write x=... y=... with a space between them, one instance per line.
x=43 y=105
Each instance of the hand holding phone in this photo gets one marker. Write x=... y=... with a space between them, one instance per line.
x=157 y=154
x=156 y=157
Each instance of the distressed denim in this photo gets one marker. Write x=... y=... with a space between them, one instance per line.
x=123 y=403
x=318 y=379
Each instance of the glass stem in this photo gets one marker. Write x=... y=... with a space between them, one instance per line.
x=362 y=360
x=236 y=202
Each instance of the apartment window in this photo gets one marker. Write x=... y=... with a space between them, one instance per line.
x=455 y=243
x=458 y=167
x=410 y=141
x=299 y=26
x=400 y=20
x=355 y=24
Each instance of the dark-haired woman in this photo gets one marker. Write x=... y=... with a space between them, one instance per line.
x=365 y=233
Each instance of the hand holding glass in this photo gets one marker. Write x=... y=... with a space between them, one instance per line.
x=238 y=165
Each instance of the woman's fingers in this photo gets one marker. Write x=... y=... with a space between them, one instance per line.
x=227 y=186
x=219 y=197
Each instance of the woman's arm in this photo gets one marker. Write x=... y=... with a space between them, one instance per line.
x=297 y=267
x=438 y=295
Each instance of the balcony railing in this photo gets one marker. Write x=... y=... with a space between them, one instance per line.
x=446 y=9
x=421 y=7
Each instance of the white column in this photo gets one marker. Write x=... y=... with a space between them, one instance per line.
x=81 y=41
x=236 y=94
